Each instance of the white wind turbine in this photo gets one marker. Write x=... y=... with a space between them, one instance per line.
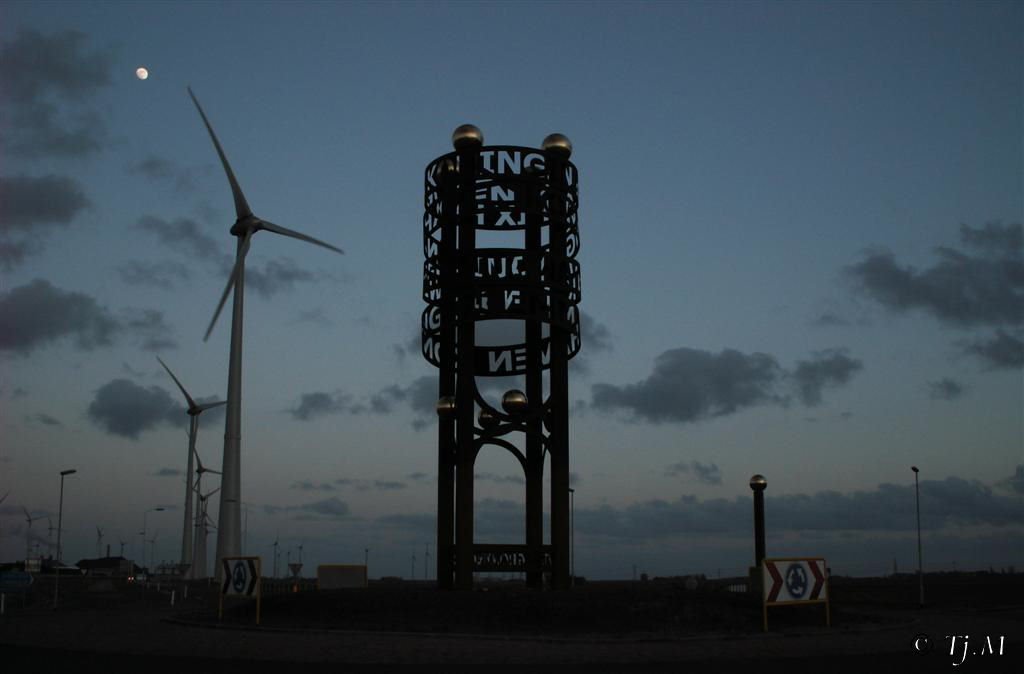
x=28 y=532
x=193 y=411
x=246 y=224
x=202 y=521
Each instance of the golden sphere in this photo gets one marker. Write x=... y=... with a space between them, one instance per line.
x=559 y=144
x=467 y=135
x=446 y=407
x=487 y=418
x=758 y=483
x=514 y=402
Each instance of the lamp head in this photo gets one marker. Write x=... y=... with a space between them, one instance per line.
x=914 y=468
x=69 y=472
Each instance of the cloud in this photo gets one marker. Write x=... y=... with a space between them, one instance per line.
x=499 y=479
x=331 y=508
x=276 y=276
x=388 y=485
x=33 y=201
x=594 y=335
x=1003 y=351
x=45 y=419
x=124 y=408
x=48 y=80
x=31 y=206
x=961 y=289
x=705 y=473
x=419 y=477
x=38 y=313
x=150 y=327
x=689 y=385
x=187 y=237
x=160 y=170
x=165 y=275
x=945 y=389
x=319 y=403
x=167 y=472
x=949 y=502
x=828 y=368
x=315 y=316
x=309 y=485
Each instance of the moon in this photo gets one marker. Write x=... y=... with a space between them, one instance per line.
x=141 y=73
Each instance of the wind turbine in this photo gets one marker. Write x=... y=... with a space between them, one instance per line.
x=193 y=411
x=28 y=532
x=99 y=542
x=49 y=535
x=199 y=560
x=274 y=545
x=246 y=224
x=152 y=548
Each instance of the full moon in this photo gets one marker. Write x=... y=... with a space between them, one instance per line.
x=141 y=73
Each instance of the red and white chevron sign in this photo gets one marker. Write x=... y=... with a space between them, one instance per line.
x=795 y=580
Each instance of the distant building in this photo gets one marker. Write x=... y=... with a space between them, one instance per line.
x=106 y=567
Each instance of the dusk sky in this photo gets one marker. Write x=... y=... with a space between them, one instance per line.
x=801 y=251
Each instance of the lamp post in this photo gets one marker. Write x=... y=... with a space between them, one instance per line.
x=920 y=567
x=151 y=510
x=572 y=537
x=60 y=522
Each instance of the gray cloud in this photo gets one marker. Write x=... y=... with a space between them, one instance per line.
x=124 y=408
x=1002 y=351
x=945 y=389
x=961 y=289
x=166 y=275
x=38 y=313
x=42 y=74
x=331 y=508
x=706 y=473
x=45 y=419
x=276 y=276
x=388 y=485
x=828 y=368
x=499 y=479
x=31 y=205
x=949 y=502
x=594 y=335
x=149 y=326
x=309 y=485
x=319 y=403
x=419 y=477
x=689 y=385
x=167 y=472
x=163 y=170
x=30 y=201
x=187 y=237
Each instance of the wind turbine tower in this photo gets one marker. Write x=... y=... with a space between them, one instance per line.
x=229 y=525
x=194 y=410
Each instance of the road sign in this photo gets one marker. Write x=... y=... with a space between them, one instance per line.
x=794 y=581
x=241 y=579
x=12 y=582
x=241 y=576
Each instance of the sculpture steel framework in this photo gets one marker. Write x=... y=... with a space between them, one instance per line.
x=527 y=197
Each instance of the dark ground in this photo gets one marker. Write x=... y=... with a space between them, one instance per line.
x=603 y=626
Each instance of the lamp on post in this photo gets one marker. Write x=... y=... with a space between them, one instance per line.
x=151 y=510
x=60 y=522
x=920 y=567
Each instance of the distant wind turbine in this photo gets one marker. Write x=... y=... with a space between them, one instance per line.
x=246 y=224
x=193 y=411
x=199 y=560
x=99 y=542
x=28 y=532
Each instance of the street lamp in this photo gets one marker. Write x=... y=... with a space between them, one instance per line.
x=151 y=510
x=572 y=537
x=60 y=521
x=920 y=568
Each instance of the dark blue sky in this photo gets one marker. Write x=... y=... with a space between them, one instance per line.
x=801 y=254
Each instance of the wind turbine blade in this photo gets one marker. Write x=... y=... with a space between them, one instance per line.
x=231 y=283
x=27 y=516
x=188 y=398
x=278 y=229
x=206 y=406
x=5 y=496
x=241 y=205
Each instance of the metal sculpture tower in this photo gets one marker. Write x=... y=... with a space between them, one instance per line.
x=525 y=199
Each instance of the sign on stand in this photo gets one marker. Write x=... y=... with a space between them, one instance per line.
x=790 y=581
x=241 y=579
